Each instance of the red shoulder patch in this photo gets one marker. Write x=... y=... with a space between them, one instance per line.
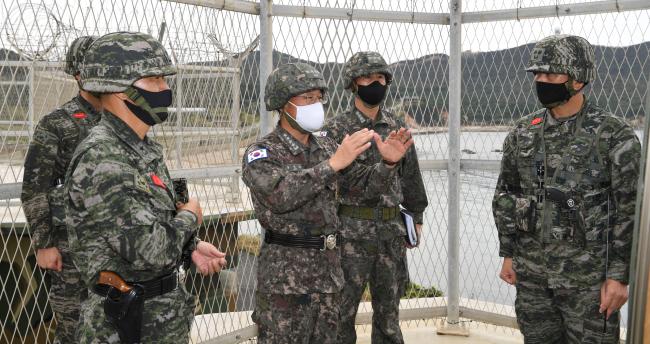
x=537 y=120
x=79 y=115
x=157 y=181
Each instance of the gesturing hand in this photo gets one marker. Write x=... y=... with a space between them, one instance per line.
x=418 y=232
x=350 y=148
x=208 y=259
x=395 y=146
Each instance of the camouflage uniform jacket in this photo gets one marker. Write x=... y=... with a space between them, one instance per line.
x=294 y=192
x=592 y=159
x=120 y=206
x=406 y=188
x=55 y=138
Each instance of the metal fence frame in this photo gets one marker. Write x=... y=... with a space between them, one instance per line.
x=454 y=165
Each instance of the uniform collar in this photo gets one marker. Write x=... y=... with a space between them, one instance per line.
x=147 y=149
x=87 y=107
x=382 y=118
x=296 y=147
x=552 y=121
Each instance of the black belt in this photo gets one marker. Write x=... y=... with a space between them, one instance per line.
x=321 y=242
x=152 y=288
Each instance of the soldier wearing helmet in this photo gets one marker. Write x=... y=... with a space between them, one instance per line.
x=374 y=248
x=293 y=177
x=127 y=231
x=564 y=203
x=55 y=137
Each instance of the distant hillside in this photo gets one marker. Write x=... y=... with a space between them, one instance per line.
x=496 y=90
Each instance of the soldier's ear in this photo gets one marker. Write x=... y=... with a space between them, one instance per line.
x=122 y=96
x=288 y=108
x=577 y=85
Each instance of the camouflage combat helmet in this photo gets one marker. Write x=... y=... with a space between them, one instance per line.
x=75 y=54
x=116 y=60
x=365 y=63
x=290 y=80
x=564 y=54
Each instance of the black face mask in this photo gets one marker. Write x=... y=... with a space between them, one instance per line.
x=372 y=94
x=552 y=95
x=149 y=107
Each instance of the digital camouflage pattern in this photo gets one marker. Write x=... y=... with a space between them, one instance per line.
x=374 y=251
x=116 y=60
x=297 y=319
x=382 y=264
x=407 y=188
x=121 y=217
x=290 y=80
x=570 y=316
x=364 y=63
x=564 y=54
x=75 y=54
x=294 y=192
x=560 y=242
x=55 y=138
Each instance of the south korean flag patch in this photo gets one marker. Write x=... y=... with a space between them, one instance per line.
x=257 y=154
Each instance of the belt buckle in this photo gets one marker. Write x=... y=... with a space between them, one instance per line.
x=378 y=214
x=181 y=274
x=329 y=242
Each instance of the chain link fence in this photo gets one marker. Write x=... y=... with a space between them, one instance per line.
x=458 y=84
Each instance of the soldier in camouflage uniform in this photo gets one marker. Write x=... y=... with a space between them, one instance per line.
x=564 y=204
x=293 y=177
x=374 y=249
x=55 y=138
x=122 y=214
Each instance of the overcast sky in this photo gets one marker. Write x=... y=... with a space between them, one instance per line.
x=31 y=26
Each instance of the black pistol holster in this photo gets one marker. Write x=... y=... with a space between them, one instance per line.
x=124 y=302
x=124 y=311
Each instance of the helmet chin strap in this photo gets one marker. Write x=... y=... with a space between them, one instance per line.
x=569 y=86
x=292 y=122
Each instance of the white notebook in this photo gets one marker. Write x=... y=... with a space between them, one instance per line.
x=411 y=234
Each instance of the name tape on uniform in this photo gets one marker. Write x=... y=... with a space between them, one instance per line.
x=257 y=154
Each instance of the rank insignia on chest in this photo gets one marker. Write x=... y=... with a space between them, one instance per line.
x=141 y=183
x=257 y=154
x=79 y=115
x=157 y=181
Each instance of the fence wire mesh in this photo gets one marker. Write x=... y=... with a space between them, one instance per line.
x=215 y=116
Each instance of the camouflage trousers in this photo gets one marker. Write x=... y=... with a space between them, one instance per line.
x=296 y=319
x=382 y=264
x=66 y=294
x=563 y=316
x=166 y=319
